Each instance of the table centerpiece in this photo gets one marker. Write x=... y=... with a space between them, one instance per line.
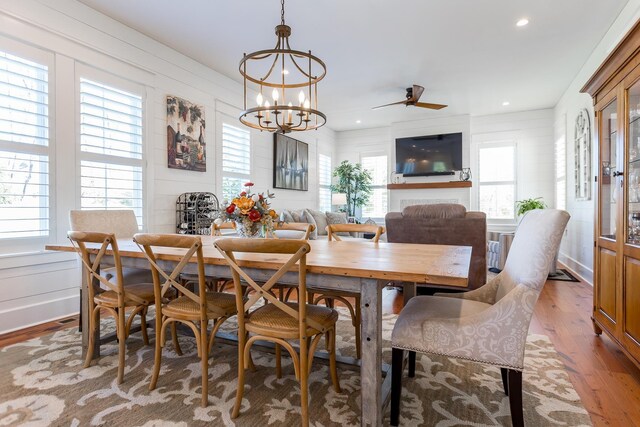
x=250 y=213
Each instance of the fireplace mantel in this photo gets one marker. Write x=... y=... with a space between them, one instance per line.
x=421 y=185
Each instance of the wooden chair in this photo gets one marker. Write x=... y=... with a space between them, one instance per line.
x=277 y=321
x=487 y=325
x=190 y=309
x=332 y=295
x=214 y=284
x=116 y=299
x=303 y=228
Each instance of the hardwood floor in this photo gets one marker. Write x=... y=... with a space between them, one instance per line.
x=606 y=380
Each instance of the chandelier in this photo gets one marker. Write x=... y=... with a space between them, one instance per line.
x=287 y=84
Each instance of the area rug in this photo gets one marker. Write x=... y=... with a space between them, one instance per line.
x=42 y=383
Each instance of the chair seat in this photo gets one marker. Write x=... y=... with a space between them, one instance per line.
x=219 y=304
x=270 y=320
x=408 y=329
x=131 y=276
x=143 y=291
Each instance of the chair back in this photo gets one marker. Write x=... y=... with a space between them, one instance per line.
x=333 y=229
x=91 y=264
x=304 y=228
x=193 y=246
x=298 y=249
x=216 y=229
x=122 y=222
x=533 y=250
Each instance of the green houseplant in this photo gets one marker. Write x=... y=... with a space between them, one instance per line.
x=523 y=206
x=355 y=182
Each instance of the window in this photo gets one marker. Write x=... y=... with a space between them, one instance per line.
x=324 y=183
x=561 y=173
x=377 y=205
x=110 y=148
x=236 y=160
x=497 y=182
x=24 y=148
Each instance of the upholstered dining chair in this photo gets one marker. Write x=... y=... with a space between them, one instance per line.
x=190 y=309
x=490 y=324
x=330 y=296
x=277 y=321
x=116 y=299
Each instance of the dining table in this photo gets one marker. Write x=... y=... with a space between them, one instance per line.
x=360 y=266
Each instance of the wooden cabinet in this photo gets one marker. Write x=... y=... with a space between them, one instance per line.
x=615 y=88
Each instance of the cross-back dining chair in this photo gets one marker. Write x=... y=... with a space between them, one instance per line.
x=279 y=322
x=117 y=298
x=215 y=284
x=488 y=325
x=191 y=309
x=329 y=296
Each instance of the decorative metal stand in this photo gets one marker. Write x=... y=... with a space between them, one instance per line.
x=195 y=213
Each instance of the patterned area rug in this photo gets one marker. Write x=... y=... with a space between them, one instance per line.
x=43 y=383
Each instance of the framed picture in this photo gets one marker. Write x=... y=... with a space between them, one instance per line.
x=290 y=163
x=351 y=220
x=186 y=145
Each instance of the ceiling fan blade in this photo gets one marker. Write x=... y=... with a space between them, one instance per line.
x=431 y=106
x=417 y=92
x=387 y=105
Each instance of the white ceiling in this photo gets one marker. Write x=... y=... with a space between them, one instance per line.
x=468 y=54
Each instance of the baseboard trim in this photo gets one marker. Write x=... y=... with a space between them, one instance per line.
x=576 y=268
x=35 y=314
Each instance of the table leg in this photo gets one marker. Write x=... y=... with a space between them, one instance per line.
x=408 y=291
x=85 y=317
x=371 y=339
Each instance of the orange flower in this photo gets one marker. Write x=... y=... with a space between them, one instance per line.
x=245 y=204
x=273 y=214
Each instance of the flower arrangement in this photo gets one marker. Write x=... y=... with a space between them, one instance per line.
x=250 y=213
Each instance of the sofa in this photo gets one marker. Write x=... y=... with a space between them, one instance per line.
x=320 y=219
x=443 y=224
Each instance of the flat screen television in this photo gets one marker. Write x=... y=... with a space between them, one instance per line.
x=429 y=155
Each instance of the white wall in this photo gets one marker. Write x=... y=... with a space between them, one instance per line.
x=531 y=130
x=577 y=246
x=37 y=286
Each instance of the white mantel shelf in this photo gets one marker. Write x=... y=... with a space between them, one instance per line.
x=419 y=185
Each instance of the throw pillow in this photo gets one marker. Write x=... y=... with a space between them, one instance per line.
x=286 y=216
x=320 y=220
x=297 y=215
x=337 y=218
x=437 y=210
x=308 y=218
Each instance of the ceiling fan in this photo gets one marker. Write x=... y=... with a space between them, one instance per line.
x=413 y=95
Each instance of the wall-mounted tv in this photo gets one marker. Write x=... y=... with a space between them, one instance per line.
x=429 y=155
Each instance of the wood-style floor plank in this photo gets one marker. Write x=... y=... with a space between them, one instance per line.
x=605 y=379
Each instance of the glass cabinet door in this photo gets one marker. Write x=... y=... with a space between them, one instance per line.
x=608 y=161
x=632 y=169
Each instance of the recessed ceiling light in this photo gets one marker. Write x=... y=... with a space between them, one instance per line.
x=285 y=72
x=522 y=22
x=358 y=121
x=505 y=103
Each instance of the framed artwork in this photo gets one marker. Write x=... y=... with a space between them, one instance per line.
x=290 y=163
x=583 y=156
x=186 y=145
x=351 y=220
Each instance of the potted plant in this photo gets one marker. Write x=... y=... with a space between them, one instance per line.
x=523 y=206
x=355 y=182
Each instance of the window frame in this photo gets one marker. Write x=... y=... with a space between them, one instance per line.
x=225 y=115
x=34 y=244
x=83 y=71
x=497 y=143
x=380 y=186
x=325 y=186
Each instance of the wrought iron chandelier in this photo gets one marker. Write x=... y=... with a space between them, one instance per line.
x=292 y=78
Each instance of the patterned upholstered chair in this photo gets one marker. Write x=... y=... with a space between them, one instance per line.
x=487 y=325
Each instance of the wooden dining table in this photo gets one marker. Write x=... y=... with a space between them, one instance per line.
x=360 y=266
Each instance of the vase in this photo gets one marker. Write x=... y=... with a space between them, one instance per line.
x=248 y=229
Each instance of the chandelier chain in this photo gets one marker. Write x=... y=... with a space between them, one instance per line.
x=282 y=12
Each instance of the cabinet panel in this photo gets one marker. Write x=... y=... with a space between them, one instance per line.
x=606 y=289
x=609 y=192
x=631 y=299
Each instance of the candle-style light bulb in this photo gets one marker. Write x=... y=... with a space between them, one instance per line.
x=301 y=97
x=307 y=104
x=289 y=114
x=267 y=105
x=275 y=95
x=259 y=100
